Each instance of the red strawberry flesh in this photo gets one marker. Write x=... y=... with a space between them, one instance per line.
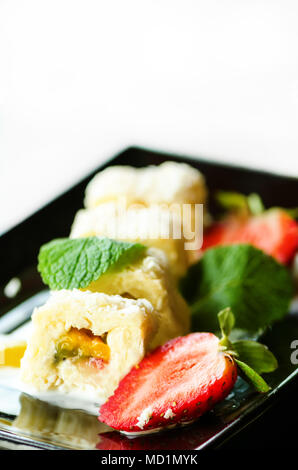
x=176 y=383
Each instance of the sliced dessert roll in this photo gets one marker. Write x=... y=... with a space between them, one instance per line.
x=152 y=226
x=169 y=183
x=86 y=342
x=150 y=278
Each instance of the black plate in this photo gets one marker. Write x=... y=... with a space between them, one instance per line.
x=26 y=422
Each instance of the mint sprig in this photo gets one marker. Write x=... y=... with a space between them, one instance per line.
x=256 y=287
x=74 y=263
x=251 y=357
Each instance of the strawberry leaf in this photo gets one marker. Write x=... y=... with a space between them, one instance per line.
x=226 y=321
x=231 y=201
x=255 y=204
x=251 y=357
x=255 y=355
x=249 y=205
x=257 y=381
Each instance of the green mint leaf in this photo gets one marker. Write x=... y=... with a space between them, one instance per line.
x=74 y=263
x=257 y=381
x=256 y=287
x=226 y=321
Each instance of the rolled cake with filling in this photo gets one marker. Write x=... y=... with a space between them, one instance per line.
x=150 y=278
x=87 y=342
x=169 y=183
x=151 y=226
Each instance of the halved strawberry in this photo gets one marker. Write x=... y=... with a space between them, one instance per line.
x=186 y=377
x=176 y=383
x=273 y=231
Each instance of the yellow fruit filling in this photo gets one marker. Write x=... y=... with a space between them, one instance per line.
x=11 y=355
x=81 y=344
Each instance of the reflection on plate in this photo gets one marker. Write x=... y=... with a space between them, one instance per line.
x=69 y=427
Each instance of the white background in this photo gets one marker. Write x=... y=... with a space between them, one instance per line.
x=81 y=79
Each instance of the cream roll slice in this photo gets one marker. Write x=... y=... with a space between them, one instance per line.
x=86 y=342
x=150 y=278
x=168 y=183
